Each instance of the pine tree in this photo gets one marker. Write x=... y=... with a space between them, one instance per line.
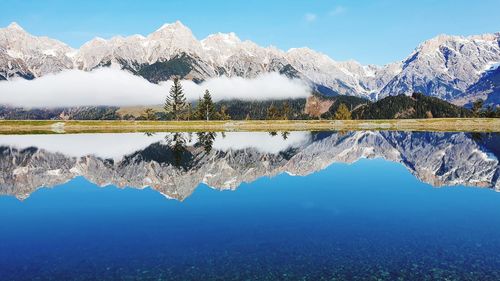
x=272 y=112
x=175 y=101
x=189 y=114
x=477 y=106
x=205 y=109
x=198 y=111
x=208 y=106
x=343 y=113
x=178 y=145
x=490 y=112
x=286 y=111
x=206 y=139
x=223 y=115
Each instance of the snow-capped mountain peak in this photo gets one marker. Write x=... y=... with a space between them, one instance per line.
x=169 y=31
x=34 y=56
x=15 y=26
x=445 y=66
x=177 y=25
x=170 y=40
x=221 y=38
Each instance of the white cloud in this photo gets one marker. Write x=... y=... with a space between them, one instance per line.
x=116 y=146
x=263 y=87
x=261 y=141
x=111 y=145
x=114 y=87
x=337 y=11
x=310 y=17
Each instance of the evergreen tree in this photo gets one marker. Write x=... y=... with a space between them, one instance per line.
x=286 y=111
x=175 y=101
x=285 y=135
x=206 y=139
x=208 y=106
x=198 y=111
x=477 y=106
x=343 y=113
x=272 y=112
x=223 y=115
x=189 y=112
x=205 y=109
x=491 y=111
x=178 y=145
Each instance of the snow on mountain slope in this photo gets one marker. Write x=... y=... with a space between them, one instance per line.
x=13 y=67
x=487 y=87
x=31 y=56
x=170 y=40
x=440 y=159
x=324 y=71
x=137 y=50
x=445 y=66
x=100 y=52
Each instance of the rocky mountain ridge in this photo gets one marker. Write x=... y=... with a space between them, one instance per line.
x=445 y=66
x=435 y=158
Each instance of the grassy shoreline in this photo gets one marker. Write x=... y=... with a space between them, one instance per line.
x=437 y=124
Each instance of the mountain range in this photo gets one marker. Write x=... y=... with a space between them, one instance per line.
x=454 y=68
x=175 y=164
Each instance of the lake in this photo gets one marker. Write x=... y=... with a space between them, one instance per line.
x=361 y=205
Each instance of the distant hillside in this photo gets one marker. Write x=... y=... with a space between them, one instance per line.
x=258 y=110
x=310 y=108
x=314 y=107
x=334 y=102
x=73 y=113
x=406 y=107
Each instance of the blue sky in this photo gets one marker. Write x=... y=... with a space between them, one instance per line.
x=370 y=31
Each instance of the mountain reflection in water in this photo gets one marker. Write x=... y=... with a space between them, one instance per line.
x=174 y=164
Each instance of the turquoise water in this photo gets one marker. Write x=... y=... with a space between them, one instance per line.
x=370 y=219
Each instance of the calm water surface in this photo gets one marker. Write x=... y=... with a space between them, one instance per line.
x=250 y=206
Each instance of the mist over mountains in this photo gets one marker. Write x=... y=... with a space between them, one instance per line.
x=114 y=87
x=454 y=68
